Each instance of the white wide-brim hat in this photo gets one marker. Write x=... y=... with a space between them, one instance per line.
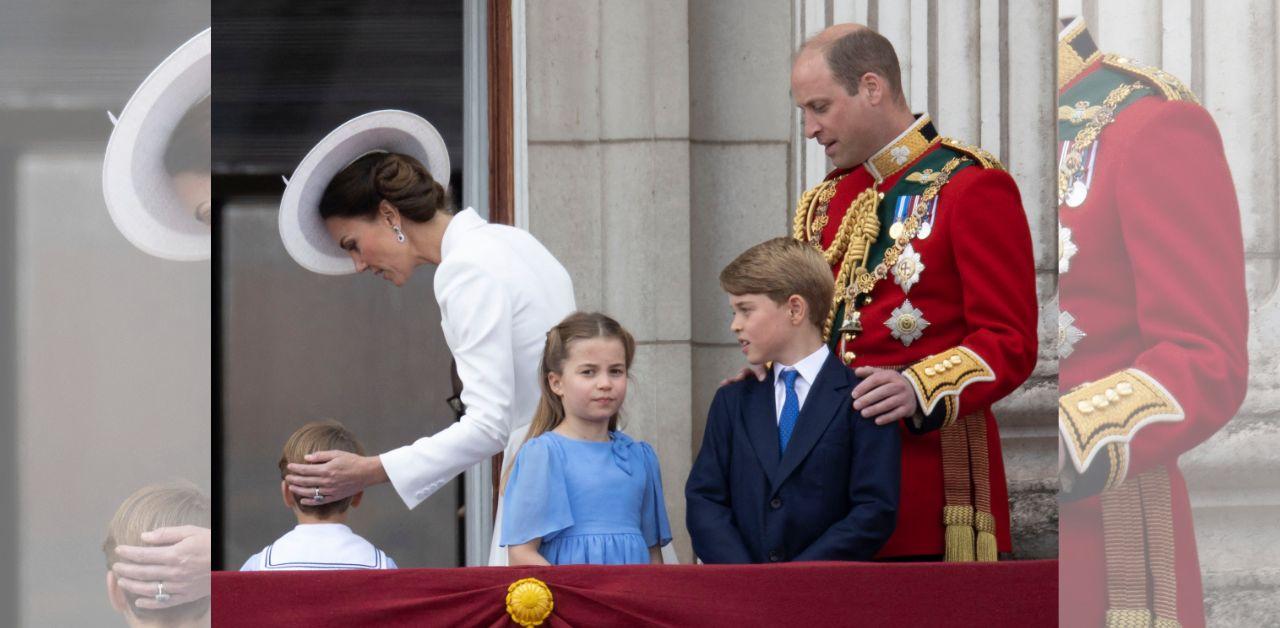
x=138 y=190
x=388 y=130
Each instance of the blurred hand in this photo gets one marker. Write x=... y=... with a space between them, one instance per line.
x=884 y=395
x=338 y=475
x=179 y=557
x=751 y=369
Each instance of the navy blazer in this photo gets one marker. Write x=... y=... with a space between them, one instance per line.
x=832 y=496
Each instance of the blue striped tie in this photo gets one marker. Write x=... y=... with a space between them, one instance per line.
x=790 y=408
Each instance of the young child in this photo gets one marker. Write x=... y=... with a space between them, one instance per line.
x=322 y=539
x=788 y=470
x=580 y=491
x=150 y=508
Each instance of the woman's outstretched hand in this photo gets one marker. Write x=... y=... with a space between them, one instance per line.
x=336 y=475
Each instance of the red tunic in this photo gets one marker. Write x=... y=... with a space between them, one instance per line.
x=1156 y=283
x=977 y=290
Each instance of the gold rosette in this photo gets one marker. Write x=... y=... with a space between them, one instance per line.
x=529 y=602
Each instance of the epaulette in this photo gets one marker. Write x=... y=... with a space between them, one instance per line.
x=982 y=157
x=1169 y=85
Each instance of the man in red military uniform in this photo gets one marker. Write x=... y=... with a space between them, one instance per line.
x=1152 y=331
x=935 y=302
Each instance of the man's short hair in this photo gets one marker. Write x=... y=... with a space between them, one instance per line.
x=150 y=508
x=779 y=268
x=855 y=53
x=313 y=437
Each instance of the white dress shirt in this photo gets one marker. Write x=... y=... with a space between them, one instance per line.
x=808 y=367
x=313 y=546
x=500 y=292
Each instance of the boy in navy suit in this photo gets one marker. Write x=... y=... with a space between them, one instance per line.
x=788 y=470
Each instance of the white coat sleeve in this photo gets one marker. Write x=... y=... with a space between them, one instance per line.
x=476 y=314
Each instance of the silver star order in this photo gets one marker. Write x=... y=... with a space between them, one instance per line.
x=906 y=323
x=1066 y=249
x=900 y=154
x=1068 y=334
x=907 y=271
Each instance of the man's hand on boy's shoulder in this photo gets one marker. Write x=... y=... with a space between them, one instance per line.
x=884 y=395
x=751 y=369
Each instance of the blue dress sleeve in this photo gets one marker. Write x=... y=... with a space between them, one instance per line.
x=653 y=511
x=536 y=501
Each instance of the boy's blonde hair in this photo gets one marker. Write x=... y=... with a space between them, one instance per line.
x=313 y=437
x=779 y=268
x=150 y=508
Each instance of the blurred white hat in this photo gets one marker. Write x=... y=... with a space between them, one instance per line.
x=138 y=190
x=388 y=130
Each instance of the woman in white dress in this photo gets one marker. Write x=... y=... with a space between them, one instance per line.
x=368 y=197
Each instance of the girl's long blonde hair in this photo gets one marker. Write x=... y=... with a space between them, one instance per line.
x=577 y=326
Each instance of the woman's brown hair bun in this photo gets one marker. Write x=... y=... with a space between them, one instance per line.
x=396 y=178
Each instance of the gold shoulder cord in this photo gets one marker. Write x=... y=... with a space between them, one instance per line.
x=811 y=219
x=1073 y=161
x=854 y=279
x=865 y=225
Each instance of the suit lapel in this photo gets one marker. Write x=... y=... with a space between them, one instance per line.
x=762 y=425
x=825 y=397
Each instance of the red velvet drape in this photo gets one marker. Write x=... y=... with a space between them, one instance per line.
x=1015 y=593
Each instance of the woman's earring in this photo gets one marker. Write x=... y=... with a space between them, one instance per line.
x=399 y=233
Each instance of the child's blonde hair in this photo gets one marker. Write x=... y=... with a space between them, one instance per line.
x=575 y=327
x=779 y=268
x=310 y=438
x=150 y=508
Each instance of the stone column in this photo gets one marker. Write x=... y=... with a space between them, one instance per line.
x=609 y=194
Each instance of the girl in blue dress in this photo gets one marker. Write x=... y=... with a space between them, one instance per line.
x=580 y=491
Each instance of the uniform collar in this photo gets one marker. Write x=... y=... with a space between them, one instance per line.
x=462 y=222
x=904 y=149
x=1076 y=51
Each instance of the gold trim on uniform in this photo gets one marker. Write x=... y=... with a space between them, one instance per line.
x=1070 y=65
x=1169 y=85
x=944 y=375
x=903 y=150
x=1118 y=457
x=1112 y=410
x=981 y=155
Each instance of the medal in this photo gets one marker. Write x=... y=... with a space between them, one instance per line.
x=906 y=324
x=1079 y=187
x=1066 y=249
x=1076 y=193
x=926 y=227
x=1068 y=334
x=900 y=212
x=906 y=271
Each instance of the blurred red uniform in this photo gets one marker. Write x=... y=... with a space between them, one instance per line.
x=1152 y=331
